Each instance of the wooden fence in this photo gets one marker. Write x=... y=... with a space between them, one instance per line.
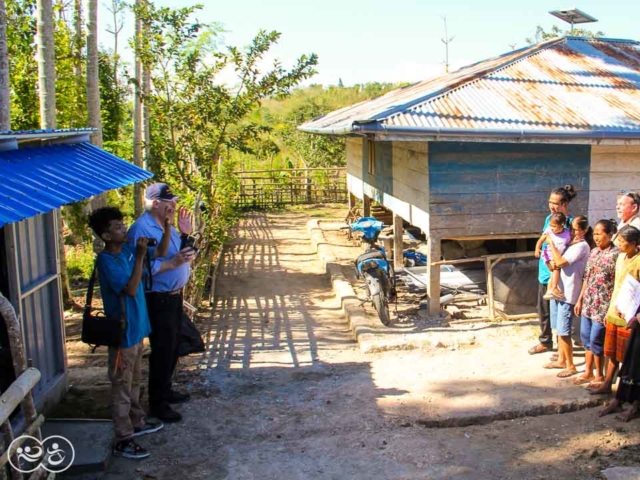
x=273 y=188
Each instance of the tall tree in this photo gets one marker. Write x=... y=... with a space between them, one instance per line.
x=93 y=80
x=78 y=44
x=93 y=91
x=117 y=11
x=47 y=92
x=137 y=107
x=46 y=65
x=5 y=91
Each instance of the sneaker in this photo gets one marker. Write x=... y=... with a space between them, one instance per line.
x=129 y=449
x=165 y=413
x=149 y=426
x=178 y=397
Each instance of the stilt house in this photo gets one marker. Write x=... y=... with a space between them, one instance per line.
x=473 y=154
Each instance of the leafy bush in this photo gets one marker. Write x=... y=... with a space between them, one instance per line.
x=80 y=262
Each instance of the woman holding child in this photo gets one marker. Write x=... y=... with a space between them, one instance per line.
x=572 y=265
x=593 y=303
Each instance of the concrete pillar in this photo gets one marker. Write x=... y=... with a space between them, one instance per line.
x=433 y=275
x=397 y=242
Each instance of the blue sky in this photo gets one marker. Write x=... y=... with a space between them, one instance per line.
x=386 y=41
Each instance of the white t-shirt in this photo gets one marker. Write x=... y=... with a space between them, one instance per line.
x=633 y=221
x=571 y=275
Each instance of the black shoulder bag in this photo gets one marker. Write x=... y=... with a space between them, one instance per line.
x=97 y=328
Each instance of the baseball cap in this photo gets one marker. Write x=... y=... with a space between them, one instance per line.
x=159 y=191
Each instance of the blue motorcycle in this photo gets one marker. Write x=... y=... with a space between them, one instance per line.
x=374 y=267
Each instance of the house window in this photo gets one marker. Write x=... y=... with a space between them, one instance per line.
x=371 y=169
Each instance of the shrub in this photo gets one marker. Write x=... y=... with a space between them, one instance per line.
x=80 y=260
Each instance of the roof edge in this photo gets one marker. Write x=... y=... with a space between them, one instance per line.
x=498 y=133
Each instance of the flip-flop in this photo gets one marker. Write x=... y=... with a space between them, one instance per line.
x=552 y=365
x=567 y=373
x=538 y=349
x=581 y=380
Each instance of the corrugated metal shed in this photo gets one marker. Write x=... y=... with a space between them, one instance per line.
x=566 y=86
x=40 y=179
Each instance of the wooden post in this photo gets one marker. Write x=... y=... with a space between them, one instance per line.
x=17 y=392
x=366 y=206
x=397 y=242
x=352 y=201
x=433 y=272
x=18 y=356
x=488 y=268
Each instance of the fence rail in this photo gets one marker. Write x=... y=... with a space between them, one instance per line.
x=273 y=188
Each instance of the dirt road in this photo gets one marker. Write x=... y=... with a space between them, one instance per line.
x=283 y=391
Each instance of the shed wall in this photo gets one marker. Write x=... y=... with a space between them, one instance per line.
x=35 y=293
x=500 y=189
x=613 y=168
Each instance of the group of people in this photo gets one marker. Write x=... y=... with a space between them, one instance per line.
x=581 y=274
x=143 y=270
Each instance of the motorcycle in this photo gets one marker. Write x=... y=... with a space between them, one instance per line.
x=374 y=267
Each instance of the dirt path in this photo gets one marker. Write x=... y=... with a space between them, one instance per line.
x=283 y=392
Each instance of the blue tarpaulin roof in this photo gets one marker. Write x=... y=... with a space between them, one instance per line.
x=40 y=179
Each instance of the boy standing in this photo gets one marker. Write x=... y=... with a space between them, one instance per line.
x=120 y=272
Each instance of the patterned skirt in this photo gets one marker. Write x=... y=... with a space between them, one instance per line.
x=615 y=342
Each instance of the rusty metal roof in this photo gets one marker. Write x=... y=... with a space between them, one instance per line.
x=566 y=87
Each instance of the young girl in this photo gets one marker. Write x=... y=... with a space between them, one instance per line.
x=560 y=236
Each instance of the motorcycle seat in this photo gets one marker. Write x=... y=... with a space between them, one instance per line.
x=374 y=254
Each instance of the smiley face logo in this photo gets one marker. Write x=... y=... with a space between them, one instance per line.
x=54 y=454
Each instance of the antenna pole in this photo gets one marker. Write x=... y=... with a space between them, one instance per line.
x=446 y=40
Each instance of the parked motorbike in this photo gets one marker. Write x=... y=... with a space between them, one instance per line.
x=374 y=267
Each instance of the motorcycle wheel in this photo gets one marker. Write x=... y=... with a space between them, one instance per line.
x=381 y=305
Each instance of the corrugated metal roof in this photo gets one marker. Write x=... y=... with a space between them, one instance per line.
x=39 y=179
x=565 y=86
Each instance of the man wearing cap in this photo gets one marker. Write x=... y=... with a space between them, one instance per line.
x=164 y=296
x=627 y=209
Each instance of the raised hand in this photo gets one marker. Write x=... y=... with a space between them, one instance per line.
x=141 y=246
x=185 y=221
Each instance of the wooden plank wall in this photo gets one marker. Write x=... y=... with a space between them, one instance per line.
x=500 y=189
x=613 y=168
x=401 y=179
x=410 y=187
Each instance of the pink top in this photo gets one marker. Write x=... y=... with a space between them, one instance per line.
x=560 y=240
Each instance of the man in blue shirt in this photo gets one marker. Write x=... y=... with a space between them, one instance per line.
x=169 y=274
x=120 y=269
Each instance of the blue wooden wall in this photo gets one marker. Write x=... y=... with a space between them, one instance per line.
x=383 y=177
x=498 y=188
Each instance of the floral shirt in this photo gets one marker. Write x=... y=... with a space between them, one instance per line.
x=599 y=277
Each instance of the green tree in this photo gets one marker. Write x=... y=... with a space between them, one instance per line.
x=542 y=35
x=23 y=71
x=198 y=121
x=5 y=96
